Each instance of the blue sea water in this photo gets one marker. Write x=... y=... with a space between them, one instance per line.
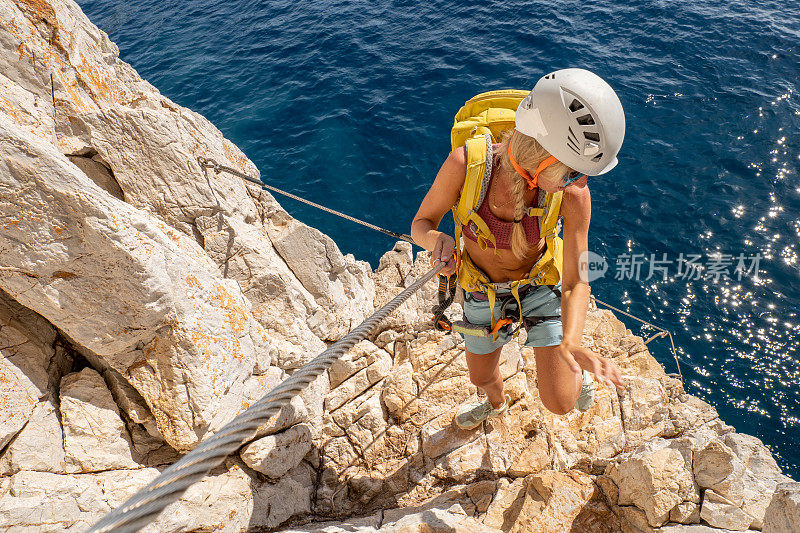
x=349 y=104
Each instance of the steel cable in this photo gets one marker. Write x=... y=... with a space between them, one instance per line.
x=662 y=332
x=143 y=507
x=210 y=163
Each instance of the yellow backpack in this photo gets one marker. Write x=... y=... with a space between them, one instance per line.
x=476 y=126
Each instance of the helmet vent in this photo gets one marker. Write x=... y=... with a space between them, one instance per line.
x=597 y=157
x=575 y=106
x=572 y=136
x=585 y=120
x=572 y=141
x=550 y=76
x=591 y=136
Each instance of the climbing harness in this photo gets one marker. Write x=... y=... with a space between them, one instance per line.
x=210 y=163
x=509 y=315
x=141 y=508
x=446 y=295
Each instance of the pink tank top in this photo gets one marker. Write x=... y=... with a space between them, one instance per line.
x=500 y=228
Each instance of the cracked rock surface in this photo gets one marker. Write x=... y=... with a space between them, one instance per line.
x=145 y=302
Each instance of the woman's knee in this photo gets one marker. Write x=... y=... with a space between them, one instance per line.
x=557 y=402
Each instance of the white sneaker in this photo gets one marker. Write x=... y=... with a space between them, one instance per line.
x=586 y=397
x=472 y=414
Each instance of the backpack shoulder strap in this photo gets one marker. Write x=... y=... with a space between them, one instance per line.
x=547 y=212
x=476 y=183
x=551 y=215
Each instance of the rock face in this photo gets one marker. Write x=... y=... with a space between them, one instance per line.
x=146 y=301
x=95 y=438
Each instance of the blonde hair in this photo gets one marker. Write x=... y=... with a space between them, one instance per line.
x=528 y=154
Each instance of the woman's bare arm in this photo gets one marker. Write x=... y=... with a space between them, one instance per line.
x=576 y=208
x=443 y=194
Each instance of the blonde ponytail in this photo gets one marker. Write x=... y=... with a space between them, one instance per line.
x=528 y=153
x=519 y=239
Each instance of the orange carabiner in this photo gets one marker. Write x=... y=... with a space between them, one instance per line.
x=500 y=324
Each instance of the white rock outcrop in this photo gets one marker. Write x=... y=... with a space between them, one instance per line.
x=783 y=513
x=274 y=455
x=95 y=438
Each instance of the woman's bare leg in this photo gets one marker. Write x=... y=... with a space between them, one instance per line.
x=484 y=372
x=559 y=387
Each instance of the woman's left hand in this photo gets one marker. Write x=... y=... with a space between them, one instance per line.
x=578 y=357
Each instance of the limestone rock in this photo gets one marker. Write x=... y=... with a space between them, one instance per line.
x=130 y=401
x=685 y=513
x=718 y=511
x=229 y=500
x=39 y=446
x=248 y=392
x=481 y=493
x=314 y=398
x=180 y=334
x=513 y=499
x=690 y=412
x=717 y=467
x=20 y=396
x=644 y=410
x=274 y=455
x=25 y=353
x=363 y=424
x=95 y=437
x=565 y=495
x=518 y=442
x=783 y=513
x=394 y=277
x=428 y=520
x=359 y=357
x=655 y=482
x=73 y=91
x=452 y=520
x=340 y=284
x=399 y=392
x=47 y=502
x=367 y=524
x=441 y=436
x=753 y=454
x=545 y=502
x=232 y=502
x=466 y=462
x=399 y=260
x=280 y=302
x=362 y=367
x=691 y=529
x=98 y=173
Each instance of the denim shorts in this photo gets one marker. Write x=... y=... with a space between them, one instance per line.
x=540 y=300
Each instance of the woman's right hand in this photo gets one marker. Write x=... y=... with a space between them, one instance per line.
x=443 y=251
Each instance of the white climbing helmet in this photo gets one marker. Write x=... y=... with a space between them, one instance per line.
x=577 y=117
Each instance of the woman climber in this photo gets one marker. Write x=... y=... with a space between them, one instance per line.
x=509 y=199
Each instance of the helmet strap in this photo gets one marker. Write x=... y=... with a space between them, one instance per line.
x=532 y=180
x=521 y=171
x=543 y=165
